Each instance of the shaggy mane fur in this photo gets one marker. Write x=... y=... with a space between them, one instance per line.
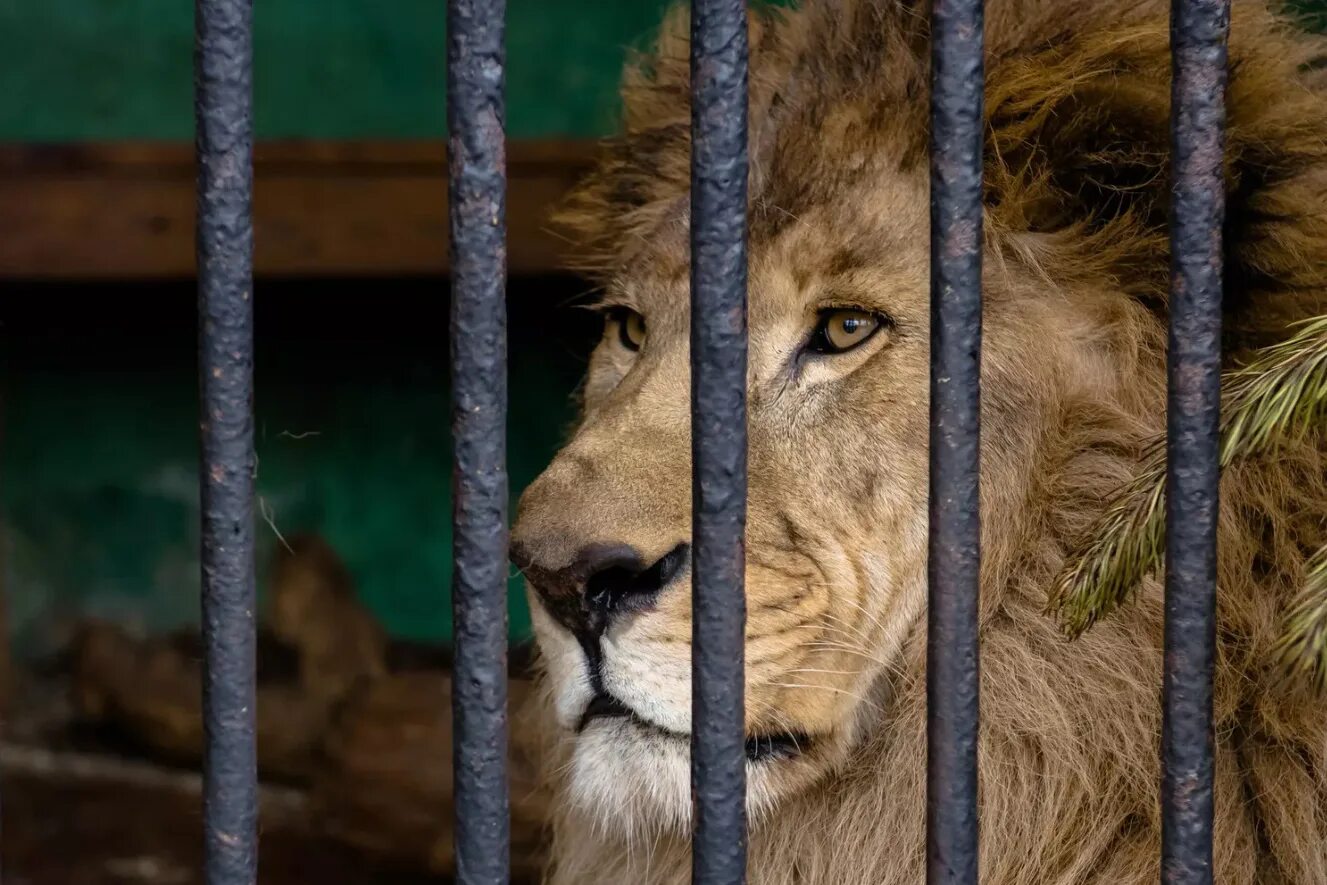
x=1078 y=95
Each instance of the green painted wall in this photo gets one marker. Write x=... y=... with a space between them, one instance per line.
x=122 y=69
x=98 y=456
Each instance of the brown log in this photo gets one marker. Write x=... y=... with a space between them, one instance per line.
x=315 y=611
x=375 y=747
x=149 y=692
x=386 y=785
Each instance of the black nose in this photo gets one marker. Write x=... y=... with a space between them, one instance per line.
x=602 y=581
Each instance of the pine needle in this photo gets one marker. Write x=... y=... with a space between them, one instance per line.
x=1127 y=544
x=1280 y=395
x=1302 y=648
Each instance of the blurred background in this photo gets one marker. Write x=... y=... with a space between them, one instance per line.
x=98 y=417
x=96 y=258
x=98 y=410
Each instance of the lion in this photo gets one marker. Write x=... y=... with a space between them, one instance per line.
x=1073 y=366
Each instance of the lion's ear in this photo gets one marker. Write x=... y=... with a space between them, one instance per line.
x=1079 y=163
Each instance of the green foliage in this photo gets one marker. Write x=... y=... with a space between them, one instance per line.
x=1302 y=649
x=1280 y=395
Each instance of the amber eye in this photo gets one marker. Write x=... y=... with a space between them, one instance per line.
x=629 y=325
x=842 y=329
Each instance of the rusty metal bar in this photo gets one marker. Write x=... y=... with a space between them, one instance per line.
x=719 y=443
x=224 y=121
x=1199 y=29
x=952 y=668
x=478 y=191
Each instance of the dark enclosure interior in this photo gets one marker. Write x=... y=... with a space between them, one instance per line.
x=99 y=459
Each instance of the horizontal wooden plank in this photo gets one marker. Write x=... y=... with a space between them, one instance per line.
x=126 y=211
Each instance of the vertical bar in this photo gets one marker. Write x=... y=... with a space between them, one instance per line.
x=718 y=443
x=224 y=133
x=6 y=653
x=476 y=120
x=1198 y=43
x=954 y=556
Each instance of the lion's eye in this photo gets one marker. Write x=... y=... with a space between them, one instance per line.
x=842 y=329
x=629 y=326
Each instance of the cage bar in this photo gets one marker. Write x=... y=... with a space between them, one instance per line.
x=954 y=557
x=1199 y=29
x=719 y=436
x=478 y=194
x=224 y=132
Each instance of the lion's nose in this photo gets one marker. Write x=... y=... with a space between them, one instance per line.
x=601 y=582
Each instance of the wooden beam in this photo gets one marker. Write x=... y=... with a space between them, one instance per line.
x=126 y=211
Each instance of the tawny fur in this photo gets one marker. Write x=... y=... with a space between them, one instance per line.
x=1076 y=272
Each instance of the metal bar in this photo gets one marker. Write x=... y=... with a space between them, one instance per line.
x=224 y=120
x=719 y=440
x=477 y=161
x=6 y=649
x=1198 y=43
x=954 y=557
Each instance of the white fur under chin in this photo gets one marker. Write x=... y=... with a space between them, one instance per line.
x=629 y=782
x=633 y=783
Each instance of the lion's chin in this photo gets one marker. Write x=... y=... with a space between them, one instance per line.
x=629 y=779
x=633 y=778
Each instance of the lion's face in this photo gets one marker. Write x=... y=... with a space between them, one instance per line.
x=836 y=535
